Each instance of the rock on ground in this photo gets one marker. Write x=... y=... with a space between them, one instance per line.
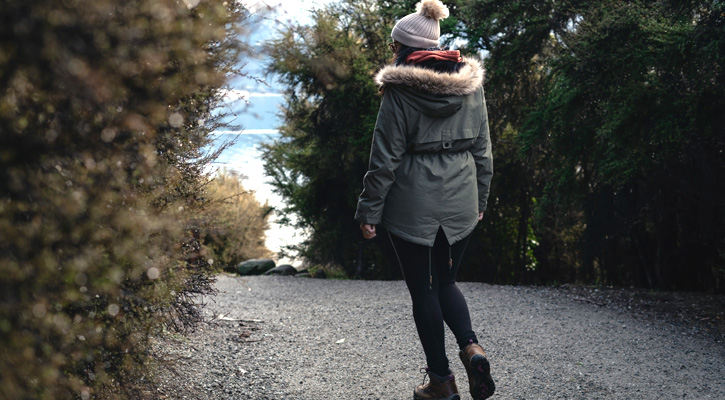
x=289 y=338
x=284 y=270
x=255 y=267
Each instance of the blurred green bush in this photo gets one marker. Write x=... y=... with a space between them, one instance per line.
x=105 y=112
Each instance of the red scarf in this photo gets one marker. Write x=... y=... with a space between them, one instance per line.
x=438 y=55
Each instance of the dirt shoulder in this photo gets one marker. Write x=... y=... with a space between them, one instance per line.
x=703 y=312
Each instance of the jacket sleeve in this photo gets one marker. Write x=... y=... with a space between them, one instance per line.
x=386 y=153
x=483 y=157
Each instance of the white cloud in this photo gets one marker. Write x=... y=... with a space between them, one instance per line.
x=256 y=5
x=265 y=95
x=249 y=132
x=232 y=95
x=296 y=10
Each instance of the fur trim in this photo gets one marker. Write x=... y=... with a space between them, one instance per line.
x=464 y=82
x=434 y=9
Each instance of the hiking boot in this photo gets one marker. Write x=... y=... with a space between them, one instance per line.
x=439 y=388
x=478 y=370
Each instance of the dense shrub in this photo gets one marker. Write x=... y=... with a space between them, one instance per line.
x=606 y=126
x=331 y=103
x=239 y=222
x=105 y=109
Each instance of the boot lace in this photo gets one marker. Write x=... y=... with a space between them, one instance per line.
x=424 y=371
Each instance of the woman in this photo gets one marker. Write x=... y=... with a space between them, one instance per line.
x=428 y=184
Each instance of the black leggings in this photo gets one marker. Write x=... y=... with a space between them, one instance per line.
x=430 y=274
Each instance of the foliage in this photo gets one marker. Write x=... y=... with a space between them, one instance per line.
x=632 y=131
x=519 y=40
x=330 y=111
x=610 y=105
x=105 y=108
x=239 y=222
x=605 y=127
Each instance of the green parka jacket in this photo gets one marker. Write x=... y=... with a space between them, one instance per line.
x=430 y=162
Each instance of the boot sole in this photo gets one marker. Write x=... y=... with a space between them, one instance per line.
x=451 y=397
x=484 y=385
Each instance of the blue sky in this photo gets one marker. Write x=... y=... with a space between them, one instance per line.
x=252 y=105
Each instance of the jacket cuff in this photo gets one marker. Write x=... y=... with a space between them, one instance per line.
x=367 y=219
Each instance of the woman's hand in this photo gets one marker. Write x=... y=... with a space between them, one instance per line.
x=480 y=215
x=368 y=230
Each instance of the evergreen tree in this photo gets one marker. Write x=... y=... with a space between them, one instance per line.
x=590 y=103
x=329 y=114
x=632 y=135
x=606 y=136
x=519 y=41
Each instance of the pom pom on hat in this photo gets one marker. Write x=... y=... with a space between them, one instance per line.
x=434 y=9
x=421 y=29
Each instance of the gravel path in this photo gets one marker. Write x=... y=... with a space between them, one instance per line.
x=326 y=339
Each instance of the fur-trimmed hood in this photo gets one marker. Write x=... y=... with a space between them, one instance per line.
x=464 y=82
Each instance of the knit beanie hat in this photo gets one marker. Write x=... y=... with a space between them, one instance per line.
x=421 y=29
